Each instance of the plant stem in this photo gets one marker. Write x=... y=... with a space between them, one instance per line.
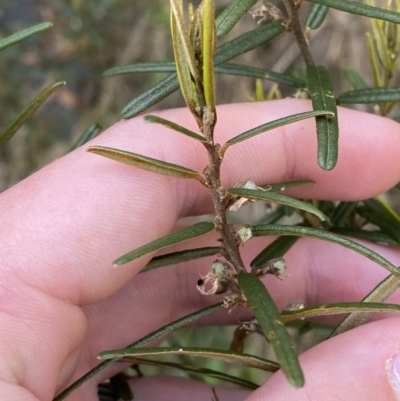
x=219 y=195
x=292 y=8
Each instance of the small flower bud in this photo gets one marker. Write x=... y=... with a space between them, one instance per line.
x=219 y=268
x=245 y=233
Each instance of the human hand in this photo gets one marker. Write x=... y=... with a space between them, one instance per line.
x=62 y=302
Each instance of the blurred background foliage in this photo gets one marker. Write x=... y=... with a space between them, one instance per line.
x=91 y=36
x=87 y=38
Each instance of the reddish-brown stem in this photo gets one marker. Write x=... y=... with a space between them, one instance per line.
x=219 y=195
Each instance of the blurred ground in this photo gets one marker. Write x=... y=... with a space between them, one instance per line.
x=90 y=36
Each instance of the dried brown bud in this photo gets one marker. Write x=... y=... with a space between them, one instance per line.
x=268 y=11
x=277 y=267
x=222 y=278
x=252 y=326
x=242 y=201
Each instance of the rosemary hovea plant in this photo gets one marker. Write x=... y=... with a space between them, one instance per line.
x=197 y=59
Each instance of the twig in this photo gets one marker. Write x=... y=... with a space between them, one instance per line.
x=292 y=8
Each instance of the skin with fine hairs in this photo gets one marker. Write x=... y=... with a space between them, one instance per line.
x=62 y=302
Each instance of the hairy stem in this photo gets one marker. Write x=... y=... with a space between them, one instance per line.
x=219 y=195
x=292 y=8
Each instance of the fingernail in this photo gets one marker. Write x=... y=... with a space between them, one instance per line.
x=393 y=372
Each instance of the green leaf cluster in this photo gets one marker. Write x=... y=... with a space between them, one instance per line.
x=12 y=40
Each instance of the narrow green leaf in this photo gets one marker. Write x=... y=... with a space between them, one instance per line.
x=396 y=32
x=140 y=67
x=139 y=343
x=275 y=197
x=326 y=207
x=338 y=308
x=368 y=235
x=180 y=257
x=342 y=211
x=195 y=29
x=268 y=317
x=360 y=9
x=194 y=369
x=274 y=124
x=222 y=355
x=146 y=163
x=373 y=59
x=316 y=16
x=226 y=52
x=370 y=95
x=183 y=52
x=229 y=69
x=375 y=205
x=282 y=186
x=321 y=91
x=381 y=44
x=261 y=230
x=209 y=46
x=183 y=35
x=178 y=236
x=247 y=41
x=88 y=135
x=274 y=250
x=355 y=79
x=175 y=127
x=253 y=72
x=387 y=209
x=13 y=127
x=231 y=15
x=152 y=96
x=379 y=294
x=21 y=35
x=260 y=95
x=384 y=221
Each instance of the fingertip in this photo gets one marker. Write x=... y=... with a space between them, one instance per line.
x=349 y=366
x=393 y=372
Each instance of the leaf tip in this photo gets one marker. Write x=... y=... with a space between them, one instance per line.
x=327 y=165
x=297 y=381
x=92 y=149
x=118 y=262
x=150 y=118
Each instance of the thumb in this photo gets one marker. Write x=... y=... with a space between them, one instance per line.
x=357 y=365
